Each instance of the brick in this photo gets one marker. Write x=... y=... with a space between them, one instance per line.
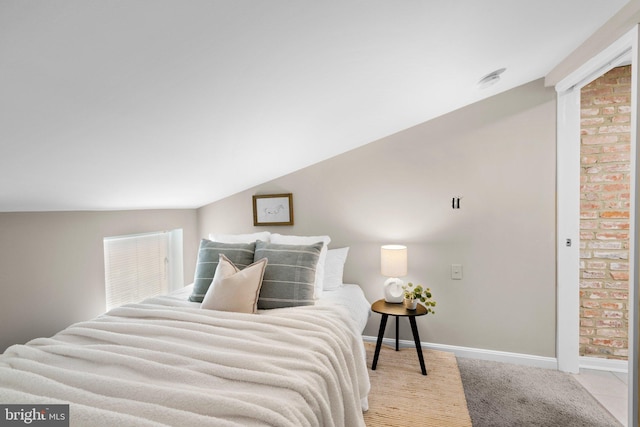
x=618 y=148
x=590 y=304
x=612 y=158
x=604 y=217
x=591 y=188
x=607 y=342
x=596 y=265
x=619 y=275
x=621 y=119
x=614 y=214
x=614 y=205
x=599 y=139
x=592 y=313
x=612 y=305
x=597 y=90
x=611 y=314
x=592 y=121
x=598 y=294
x=612 y=235
x=591 y=284
x=614 y=225
x=610 y=198
x=587 y=150
x=585 y=112
x=592 y=171
x=621 y=353
x=616 y=285
x=587 y=205
x=607 y=100
x=594 y=274
x=611 y=255
x=605 y=245
x=619 y=266
x=609 y=323
x=614 y=129
x=619 y=295
x=615 y=187
x=610 y=333
x=585 y=235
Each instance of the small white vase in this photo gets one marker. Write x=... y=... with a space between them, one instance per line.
x=410 y=304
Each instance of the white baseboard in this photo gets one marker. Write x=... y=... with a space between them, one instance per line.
x=477 y=353
x=598 y=363
x=595 y=363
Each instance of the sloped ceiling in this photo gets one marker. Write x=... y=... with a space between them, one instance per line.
x=131 y=104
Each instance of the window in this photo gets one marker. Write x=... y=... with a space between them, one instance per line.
x=141 y=266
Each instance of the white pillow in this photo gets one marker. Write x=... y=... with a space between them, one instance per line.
x=334 y=268
x=308 y=240
x=233 y=289
x=240 y=238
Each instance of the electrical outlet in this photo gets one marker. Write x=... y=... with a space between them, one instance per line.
x=456 y=271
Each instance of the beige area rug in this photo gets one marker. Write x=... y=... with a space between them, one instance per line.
x=401 y=396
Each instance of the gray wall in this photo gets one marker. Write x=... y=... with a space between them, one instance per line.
x=52 y=265
x=499 y=156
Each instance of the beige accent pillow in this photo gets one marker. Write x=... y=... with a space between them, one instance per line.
x=233 y=289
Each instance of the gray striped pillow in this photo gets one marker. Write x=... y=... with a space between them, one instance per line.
x=240 y=254
x=290 y=274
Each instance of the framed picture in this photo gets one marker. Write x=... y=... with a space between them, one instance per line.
x=273 y=209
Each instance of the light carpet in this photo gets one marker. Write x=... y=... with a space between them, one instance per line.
x=402 y=396
x=506 y=395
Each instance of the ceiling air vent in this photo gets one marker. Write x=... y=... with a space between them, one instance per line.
x=490 y=79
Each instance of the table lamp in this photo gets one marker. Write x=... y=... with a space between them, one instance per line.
x=393 y=264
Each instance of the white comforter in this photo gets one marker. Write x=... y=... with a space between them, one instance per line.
x=165 y=362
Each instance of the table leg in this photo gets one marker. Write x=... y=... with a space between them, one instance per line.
x=416 y=338
x=397 y=333
x=383 y=325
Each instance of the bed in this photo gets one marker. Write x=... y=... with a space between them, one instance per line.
x=168 y=361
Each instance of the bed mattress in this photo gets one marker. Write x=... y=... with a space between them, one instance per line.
x=165 y=361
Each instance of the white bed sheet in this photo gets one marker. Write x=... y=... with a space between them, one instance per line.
x=165 y=361
x=349 y=296
x=352 y=298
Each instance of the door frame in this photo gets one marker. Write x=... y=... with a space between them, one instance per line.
x=623 y=50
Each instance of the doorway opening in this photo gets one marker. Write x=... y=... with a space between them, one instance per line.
x=569 y=280
x=605 y=186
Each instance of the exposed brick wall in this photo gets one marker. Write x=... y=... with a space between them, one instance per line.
x=604 y=215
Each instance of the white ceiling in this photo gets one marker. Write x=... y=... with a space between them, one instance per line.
x=130 y=104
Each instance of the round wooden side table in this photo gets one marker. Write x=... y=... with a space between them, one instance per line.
x=387 y=309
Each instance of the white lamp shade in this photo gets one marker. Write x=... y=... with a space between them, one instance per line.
x=393 y=260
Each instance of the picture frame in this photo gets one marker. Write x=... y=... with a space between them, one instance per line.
x=273 y=209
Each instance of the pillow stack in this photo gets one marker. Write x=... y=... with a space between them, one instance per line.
x=246 y=272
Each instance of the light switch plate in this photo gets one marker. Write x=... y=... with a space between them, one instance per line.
x=456 y=271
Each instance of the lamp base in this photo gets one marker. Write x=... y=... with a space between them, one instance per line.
x=393 y=290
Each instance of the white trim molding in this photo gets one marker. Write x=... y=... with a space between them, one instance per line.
x=602 y=364
x=568 y=195
x=478 y=353
x=594 y=363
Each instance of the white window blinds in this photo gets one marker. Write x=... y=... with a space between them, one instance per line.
x=137 y=266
